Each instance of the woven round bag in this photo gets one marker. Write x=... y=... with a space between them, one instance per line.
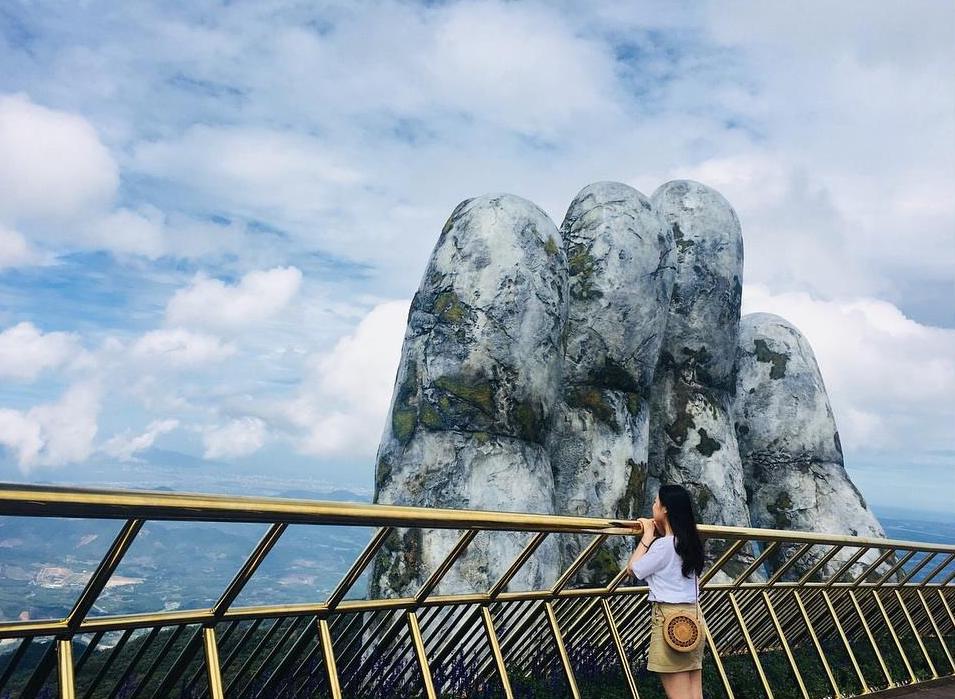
x=682 y=632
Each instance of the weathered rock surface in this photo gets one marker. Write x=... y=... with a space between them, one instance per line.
x=692 y=441
x=620 y=258
x=575 y=371
x=788 y=440
x=476 y=384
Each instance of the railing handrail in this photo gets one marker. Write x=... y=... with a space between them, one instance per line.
x=95 y=503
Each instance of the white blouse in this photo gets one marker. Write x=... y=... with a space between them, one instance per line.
x=662 y=568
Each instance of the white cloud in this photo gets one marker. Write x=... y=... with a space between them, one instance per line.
x=180 y=347
x=254 y=170
x=26 y=351
x=239 y=437
x=53 y=434
x=256 y=297
x=125 y=446
x=15 y=250
x=126 y=231
x=346 y=393
x=890 y=379
x=52 y=163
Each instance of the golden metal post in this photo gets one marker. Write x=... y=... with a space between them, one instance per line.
x=107 y=565
x=578 y=563
x=948 y=609
x=817 y=644
x=442 y=570
x=248 y=569
x=528 y=551
x=421 y=654
x=790 y=562
x=916 y=568
x=938 y=632
x=67 y=682
x=750 y=646
x=621 y=651
x=868 y=633
x=358 y=567
x=872 y=568
x=786 y=648
x=721 y=561
x=918 y=636
x=937 y=569
x=845 y=642
x=328 y=652
x=496 y=650
x=895 y=636
x=757 y=562
x=562 y=650
x=211 y=651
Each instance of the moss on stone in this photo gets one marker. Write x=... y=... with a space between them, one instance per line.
x=634 y=403
x=682 y=242
x=582 y=265
x=475 y=391
x=403 y=422
x=632 y=501
x=780 y=510
x=777 y=359
x=592 y=400
x=404 y=415
x=449 y=308
x=383 y=474
x=530 y=423
x=430 y=417
x=707 y=445
x=680 y=427
x=550 y=247
x=403 y=552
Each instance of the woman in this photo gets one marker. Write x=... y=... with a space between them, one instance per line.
x=669 y=558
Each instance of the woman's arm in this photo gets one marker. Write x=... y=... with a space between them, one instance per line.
x=647 y=537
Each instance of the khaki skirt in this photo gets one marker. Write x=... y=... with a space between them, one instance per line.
x=662 y=658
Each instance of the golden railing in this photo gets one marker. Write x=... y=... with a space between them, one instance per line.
x=823 y=603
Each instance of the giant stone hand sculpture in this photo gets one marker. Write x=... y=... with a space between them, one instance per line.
x=573 y=371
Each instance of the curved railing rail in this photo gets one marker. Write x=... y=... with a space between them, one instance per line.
x=800 y=614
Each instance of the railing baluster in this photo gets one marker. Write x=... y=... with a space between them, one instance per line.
x=845 y=642
x=249 y=566
x=211 y=652
x=421 y=654
x=66 y=679
x=186 y=656
x=918 y=636
x=496 y=650
x=578 y=563
x=937 y=569
x=871 y=637
x=786 y=648
x=895 y=635
x=938 y=631
x=816 y=643
x=435 y=578
x=916 y=568
x=14 y=661
x=160 y=656
x=328 y=652
x=749 y=644
x=110 y=659
x=621 y=651
x=517 y=564
x=358 y=567
x=562 y=650
x=104 y=571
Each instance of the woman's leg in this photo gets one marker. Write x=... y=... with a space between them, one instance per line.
x=677 y=685
x=696 y=684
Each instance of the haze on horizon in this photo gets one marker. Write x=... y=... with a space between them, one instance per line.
x=213 y=217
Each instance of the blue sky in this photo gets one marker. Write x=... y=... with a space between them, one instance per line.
x=213 y=215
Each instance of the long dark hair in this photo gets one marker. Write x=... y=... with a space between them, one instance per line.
x=679 y=505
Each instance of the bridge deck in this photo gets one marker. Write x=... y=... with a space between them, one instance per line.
x=943 y=688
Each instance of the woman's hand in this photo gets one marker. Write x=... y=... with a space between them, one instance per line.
x=649 y=530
